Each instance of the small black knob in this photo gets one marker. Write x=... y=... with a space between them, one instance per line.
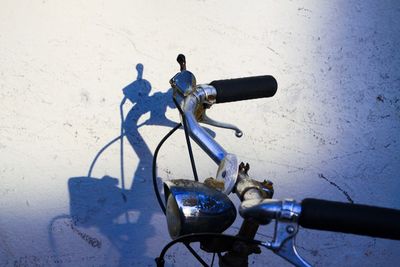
x=182 y=61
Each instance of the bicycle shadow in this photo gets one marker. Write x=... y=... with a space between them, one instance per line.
x=122 y=215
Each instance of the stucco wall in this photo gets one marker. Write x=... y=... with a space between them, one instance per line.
x=332 y=130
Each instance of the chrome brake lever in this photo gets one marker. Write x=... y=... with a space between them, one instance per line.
x=286 y=214
x=208 y=102
x=283 y=243
x=207 y=120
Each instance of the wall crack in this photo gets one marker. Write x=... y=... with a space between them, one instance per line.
x=349 y=199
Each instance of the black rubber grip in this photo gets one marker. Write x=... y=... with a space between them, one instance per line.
x=245 y=88
x=350 y=218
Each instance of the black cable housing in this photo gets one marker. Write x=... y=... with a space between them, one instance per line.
x=154 y=167
x=196 y=178
x=154 y=174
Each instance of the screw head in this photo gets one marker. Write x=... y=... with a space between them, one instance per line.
x=223 y=174
x=290 y=229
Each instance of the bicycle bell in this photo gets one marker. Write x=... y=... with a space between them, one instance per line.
x=184 y=82
x=193 y=207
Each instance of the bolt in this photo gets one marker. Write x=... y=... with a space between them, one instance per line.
x=268 y=184
x=241 y=166
x=211 y=98
x=247 y=167
x=290 y=229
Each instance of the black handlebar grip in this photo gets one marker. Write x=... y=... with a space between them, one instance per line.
x=245 y=88
x=350 y=218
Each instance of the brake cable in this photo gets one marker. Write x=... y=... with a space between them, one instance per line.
x=196 y=178
x=154 y=167
x=154 y=171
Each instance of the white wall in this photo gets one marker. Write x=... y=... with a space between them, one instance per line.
x=63 y=65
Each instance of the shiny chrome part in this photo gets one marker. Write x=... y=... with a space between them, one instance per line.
x=198 y=134
x=290 y=210
x=208 y=120
x=284 y=243
x=228 y=172
x=210 y=98
x=192 y=105
x=193 y=207
x=286 y=214
x=173 y=217
x=184 y=82
x=210 y=94
x=264 y=210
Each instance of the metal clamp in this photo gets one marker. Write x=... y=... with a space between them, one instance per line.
x=286 y=214
x=283 y=243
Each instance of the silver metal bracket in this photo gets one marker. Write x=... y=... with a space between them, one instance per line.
x=183 y=82
x=286 y=214
x=228 y=172
x=283 y=243
x=286 y=228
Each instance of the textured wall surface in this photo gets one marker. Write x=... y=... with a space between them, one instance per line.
x=332 y=130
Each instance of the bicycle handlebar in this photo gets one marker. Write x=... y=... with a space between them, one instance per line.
x=327 y=215
x=257 y=206
x=350 y=218
x=245 y=88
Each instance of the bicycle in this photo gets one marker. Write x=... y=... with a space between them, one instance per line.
x=201 y=211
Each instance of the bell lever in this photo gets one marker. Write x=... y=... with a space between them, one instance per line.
x=184 y=82
x=182 y=61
